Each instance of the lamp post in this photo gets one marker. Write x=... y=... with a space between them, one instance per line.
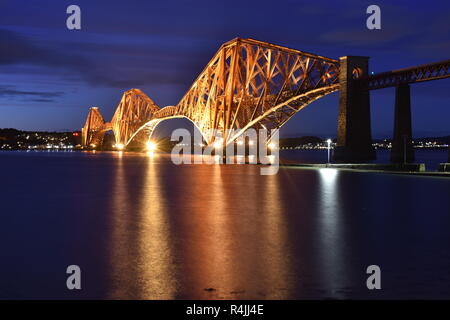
x=329 y=147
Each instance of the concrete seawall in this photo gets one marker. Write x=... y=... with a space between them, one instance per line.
x=408 y=167
x=417 y=169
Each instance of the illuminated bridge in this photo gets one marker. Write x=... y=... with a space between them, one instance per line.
x=254 y=84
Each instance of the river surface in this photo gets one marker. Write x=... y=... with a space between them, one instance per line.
x=140 y=227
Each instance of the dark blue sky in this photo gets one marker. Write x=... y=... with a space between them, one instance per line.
x=50 y=76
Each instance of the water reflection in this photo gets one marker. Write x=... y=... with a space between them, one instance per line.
x=155 y=256
x=277 y=253
x=118 y=252
x=226 y=232
x=330 y=234
x=143 y=228
x=237 y=244
x=141 y=257
x=207 y=254
x=195 y=234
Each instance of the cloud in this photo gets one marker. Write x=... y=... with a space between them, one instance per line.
x=105 y=64
x=42 y=100
x=37 y=96
x=18 y=49
x=362 y=37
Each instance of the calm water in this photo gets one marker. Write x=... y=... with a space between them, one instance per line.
x=141 y=227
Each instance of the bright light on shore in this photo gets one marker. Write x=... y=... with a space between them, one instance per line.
x=120 y=146
x=151 y=146
x=328 y=149
x=217 y=144
x=272 y=145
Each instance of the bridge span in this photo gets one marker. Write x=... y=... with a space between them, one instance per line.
x=255 y=84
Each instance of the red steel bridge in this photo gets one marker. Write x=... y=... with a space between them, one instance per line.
x=255 y=84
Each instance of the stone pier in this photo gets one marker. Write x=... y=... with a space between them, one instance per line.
x=402 y=148
x=354 y=139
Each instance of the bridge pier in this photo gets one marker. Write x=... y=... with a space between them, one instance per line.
x=354 y=137
x=402 y=148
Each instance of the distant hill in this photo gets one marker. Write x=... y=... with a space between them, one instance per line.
x=13 y=139
x=442 y=140
x=301 y=141
x=293 y=142
x=9 y=132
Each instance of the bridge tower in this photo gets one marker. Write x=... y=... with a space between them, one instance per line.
x=402 y=148
x=354 y=137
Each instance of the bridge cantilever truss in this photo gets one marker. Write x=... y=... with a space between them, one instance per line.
x=248 y=83
x=94 y=128
x=134 y=110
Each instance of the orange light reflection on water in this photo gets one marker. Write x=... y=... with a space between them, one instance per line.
x=197 y=235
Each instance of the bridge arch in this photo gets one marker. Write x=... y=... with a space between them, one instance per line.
x=282 y=112
x=285 y=112
x=150 y=126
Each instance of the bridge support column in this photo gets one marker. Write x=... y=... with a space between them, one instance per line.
x=402 y=148
x=354 y=140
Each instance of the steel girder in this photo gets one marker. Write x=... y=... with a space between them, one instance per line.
x=426 y=72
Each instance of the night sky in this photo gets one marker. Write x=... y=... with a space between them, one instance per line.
x=50 y=76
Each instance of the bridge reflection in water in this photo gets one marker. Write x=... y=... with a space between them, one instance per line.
x=142 y=227
x=210 y=240
x=141 y=242
x=226 y=232
x=200 y=234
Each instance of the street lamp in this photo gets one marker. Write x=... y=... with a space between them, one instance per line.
x=329 y=147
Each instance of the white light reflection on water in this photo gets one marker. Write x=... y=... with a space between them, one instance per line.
x=331 y=236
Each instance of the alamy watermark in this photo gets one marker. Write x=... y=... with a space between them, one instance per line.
x=73 y=21
x=252 y=146
x=73 y=281
x=373 y=22
x=374 y=280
